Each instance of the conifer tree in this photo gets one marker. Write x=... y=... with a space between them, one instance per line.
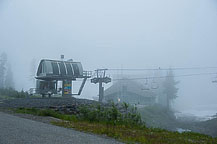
x=170 y=89
x=3 y=60
x=9 y=82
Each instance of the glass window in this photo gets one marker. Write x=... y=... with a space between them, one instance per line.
x=62 y=68
x=39 y=70
x=69 y=69
x=55 y=68
x=48 y=67
x=76 y=69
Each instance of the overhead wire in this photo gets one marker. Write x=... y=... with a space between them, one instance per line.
x=159 y=77
x=153 y=69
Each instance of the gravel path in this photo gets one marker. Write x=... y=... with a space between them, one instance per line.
x=44 y=102
x=16 y=130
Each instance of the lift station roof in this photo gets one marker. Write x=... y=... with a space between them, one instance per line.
x=59 y=70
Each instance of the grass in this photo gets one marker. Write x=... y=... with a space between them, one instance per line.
x=4 y=97
x=125 y=127
x=46 y=112
x=145 y=135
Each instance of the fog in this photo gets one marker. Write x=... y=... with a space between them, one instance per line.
x=115 y=34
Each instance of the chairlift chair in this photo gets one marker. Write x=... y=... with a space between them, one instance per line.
x=146 y=86
x=154 y=84
x=215 y=80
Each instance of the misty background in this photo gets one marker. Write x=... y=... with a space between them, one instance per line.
x=115 y=34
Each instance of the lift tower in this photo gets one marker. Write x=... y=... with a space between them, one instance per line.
x=100 y=77
x=50 y=72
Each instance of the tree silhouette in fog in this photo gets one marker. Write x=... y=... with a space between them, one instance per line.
x=170 y=89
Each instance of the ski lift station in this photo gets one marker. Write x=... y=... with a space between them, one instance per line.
x=51 y=73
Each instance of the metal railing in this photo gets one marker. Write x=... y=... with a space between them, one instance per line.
x=87 y=73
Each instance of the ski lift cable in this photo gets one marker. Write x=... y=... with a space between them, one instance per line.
x=162 y=69
x=160 y=77
x=186 y=75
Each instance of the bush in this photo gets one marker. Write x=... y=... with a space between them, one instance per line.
x=110 y=115
x=11 y=93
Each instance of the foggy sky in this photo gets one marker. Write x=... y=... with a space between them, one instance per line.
x=114 y=34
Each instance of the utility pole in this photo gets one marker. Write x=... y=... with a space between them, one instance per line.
x=101 y=78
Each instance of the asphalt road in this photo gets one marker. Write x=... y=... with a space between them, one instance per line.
x=16 y=130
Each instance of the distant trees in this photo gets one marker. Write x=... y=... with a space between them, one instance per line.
x=6 y=74
x=169 y=86
x=11 y=93
x=33 y=68
x=9 y=81
x=3 y=60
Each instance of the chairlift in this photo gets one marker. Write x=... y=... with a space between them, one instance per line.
x=146 y=86
x=154 y=84
x=215 y=80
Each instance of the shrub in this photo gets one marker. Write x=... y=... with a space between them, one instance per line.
x=110 y=115
x=11 y=93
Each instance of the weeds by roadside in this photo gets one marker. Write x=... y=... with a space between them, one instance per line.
x=123 y=125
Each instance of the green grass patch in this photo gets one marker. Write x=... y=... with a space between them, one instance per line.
x=138 y=135
x=126 y=126
x=46 y=112
x=4 y=97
